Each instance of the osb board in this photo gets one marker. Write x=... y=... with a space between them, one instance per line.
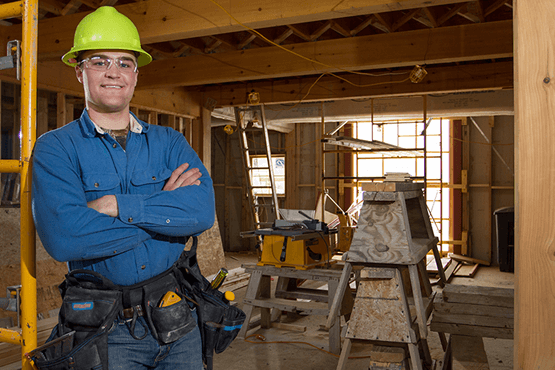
x=380 y=235
x=210 y=251
x=379 y=312
x=50 y=273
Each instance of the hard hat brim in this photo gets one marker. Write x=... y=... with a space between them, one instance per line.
x=143 y=59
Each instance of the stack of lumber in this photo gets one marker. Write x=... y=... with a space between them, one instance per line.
x=475 y=311
x=10 y=354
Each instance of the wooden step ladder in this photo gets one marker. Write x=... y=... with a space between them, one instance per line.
x=250 y=121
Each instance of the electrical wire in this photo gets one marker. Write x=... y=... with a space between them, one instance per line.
x=294 y=53
x=263 y=341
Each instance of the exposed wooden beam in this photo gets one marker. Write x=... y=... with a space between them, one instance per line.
x=299 y=32
x=213 y=45
x=423 y=18
x=283 y=36
x=493 y=7
x=92 y=3
x=321 y=30
x=480 y=41
x=71 y=7
x=340 y=29
x=429 y=13
x=472 y=77
x=365 y=23
x=52 y=6
x=404 y=19
x=159 y=21
x=247 y=40
x=450 y=14
x=477 y=9
x=384 y=22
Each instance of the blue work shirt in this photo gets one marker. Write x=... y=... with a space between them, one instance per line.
x=76 y=164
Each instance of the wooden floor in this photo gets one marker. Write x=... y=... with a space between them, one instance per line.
x=299 y=342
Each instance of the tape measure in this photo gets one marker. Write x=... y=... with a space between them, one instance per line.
x=169 y=298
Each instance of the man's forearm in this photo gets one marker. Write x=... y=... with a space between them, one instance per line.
x=107 y=205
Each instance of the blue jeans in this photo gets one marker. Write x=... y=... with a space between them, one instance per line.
x=126 y=352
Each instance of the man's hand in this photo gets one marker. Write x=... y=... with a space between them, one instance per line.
x=182 y=177
x=107 y=204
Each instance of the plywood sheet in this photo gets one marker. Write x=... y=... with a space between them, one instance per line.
x=380 y=236
x=379 y=312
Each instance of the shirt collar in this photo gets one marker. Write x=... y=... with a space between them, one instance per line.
x=90 y=128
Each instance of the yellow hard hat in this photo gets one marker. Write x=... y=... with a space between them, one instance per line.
x=106 y=28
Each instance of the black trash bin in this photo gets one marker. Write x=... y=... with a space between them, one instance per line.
x=505 y=230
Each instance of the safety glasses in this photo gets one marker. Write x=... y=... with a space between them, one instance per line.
x=102 y=63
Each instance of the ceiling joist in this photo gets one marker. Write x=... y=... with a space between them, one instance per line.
x=482 y=41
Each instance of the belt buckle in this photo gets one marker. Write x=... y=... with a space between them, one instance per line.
x=128 y=312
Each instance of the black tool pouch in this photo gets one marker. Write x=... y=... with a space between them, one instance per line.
x=219 y=322
x=90 y=305
x=169 y=323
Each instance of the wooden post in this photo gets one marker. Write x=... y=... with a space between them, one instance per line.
x=61 y=110
x=153 y=118
x=206 y=138
x=42 y=114
x=534 y=37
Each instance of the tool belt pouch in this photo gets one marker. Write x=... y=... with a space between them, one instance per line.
x=219 y=322
x=172 y=322
x=80 y=340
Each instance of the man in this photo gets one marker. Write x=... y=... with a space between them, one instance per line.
x=116 y=195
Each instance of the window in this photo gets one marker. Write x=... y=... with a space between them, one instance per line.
x=426 y=158
x=261 y=177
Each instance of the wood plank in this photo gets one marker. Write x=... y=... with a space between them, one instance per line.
x=287 y=326
x=450 y=269
x=465 y=270
x=440 y=306
x=163 y=21
x=476 y=320
x=534 y=150
x=440 y=79
x=317 y=295
x=461 y=258
x=470 y=42
x=491 y=296
x=477 y=331
x=309 y=308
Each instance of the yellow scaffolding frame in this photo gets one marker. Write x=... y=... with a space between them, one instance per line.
x=27 y=337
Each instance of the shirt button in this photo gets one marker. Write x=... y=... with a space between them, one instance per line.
x=130 y=219
x=168 y=221
x=115 y=145
x=154 y=178
x=143 y=267
x=96 y=185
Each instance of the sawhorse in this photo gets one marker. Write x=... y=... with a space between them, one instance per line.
x=384 y=313
x=285 y=296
